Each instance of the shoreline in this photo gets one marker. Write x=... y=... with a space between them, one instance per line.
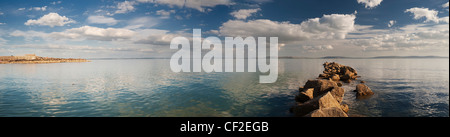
x=33 y=59
x=44 y=62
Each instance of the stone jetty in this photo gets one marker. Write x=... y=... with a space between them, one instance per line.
x=323 y=97
x=338 y=72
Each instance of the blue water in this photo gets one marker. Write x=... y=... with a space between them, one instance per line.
x=148 y=88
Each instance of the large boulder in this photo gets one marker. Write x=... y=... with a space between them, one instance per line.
x=338 y=93
x=338 y=72
x=363 y=91
x=348 y=69
x=311 y=84
x=331 y=68
x=315 y=88
x=327 y=112
x=323 y=86
x=325 y=101
x=335 y=77
x=304 y=96
x=347 y=76
x=323 y=76
x=344 y=108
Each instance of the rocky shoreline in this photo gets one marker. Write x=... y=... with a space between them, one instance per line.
x=323 y=97
x=37 y=60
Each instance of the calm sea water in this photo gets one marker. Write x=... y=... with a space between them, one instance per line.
x=147 y=87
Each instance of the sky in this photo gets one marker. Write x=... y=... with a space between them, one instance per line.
x=145 y=28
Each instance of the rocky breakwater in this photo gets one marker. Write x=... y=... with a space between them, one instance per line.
x=338 y=72
x=323 y=97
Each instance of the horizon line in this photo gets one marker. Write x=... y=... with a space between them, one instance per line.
x=292 y=57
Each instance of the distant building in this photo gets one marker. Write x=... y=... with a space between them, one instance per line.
x=26 y=57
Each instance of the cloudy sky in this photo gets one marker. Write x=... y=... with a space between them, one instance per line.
x=144 y=28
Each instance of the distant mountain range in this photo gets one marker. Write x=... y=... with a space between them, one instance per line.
x=410 y=57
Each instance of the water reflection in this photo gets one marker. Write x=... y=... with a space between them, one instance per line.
x=405 y=87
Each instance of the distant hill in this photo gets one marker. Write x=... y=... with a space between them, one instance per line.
x=343 y=57
x=410 y=57
x=337 y=57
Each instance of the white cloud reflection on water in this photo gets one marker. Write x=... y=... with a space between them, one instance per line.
x=403 y=87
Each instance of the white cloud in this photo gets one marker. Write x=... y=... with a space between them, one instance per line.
x=244 y=13
x=391 y=23
x=94 y=33
x=142 y=22
x=156 y=37
x=445 y=5
x=165 y=14
x=370 y=3
x=21 y=9
x=29 y=35
x=55 y=2
x=1 y=13
x=444 y=19
x=71 y=48
x=429 y=15
x=334 y=26
x=199 y=5
x=102 y=20
x=410 y=37
x=52 y=19
x=120 y=36
x=316 y=48
x=39 y=8
x=2 y=41
x=125 y=7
